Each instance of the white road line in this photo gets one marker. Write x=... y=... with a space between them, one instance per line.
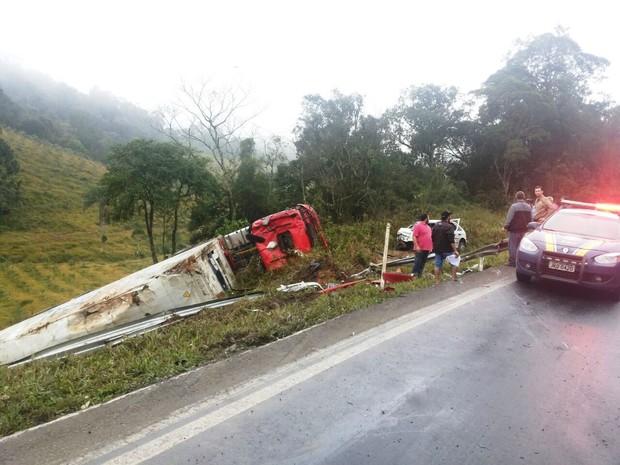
x=279 y=381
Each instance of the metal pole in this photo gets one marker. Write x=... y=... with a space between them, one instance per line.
x=385 y=253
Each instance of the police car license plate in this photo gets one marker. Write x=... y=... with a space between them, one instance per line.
x=568 y=267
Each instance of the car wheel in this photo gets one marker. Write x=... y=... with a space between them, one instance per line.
x=524 y=278
x=401 y=245
x=615 y=295
x=462 y=245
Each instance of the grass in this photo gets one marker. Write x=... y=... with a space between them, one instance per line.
x=42 y=390
x=53 y=254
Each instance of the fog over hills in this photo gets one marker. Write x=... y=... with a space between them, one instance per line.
x=53 y=111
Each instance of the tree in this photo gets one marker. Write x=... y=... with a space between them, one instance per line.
x=9 y=184
x=557 y=67
x=425 y=122
x=337 y=146
x=273 y=156
x=211 y=120
x=538 y=117
x=153 y=179
x=97 y=196
x=209 y=217
x=251 y=188
x=514 y=116
x=9 y=111
x=289 y=184
x=427 y=136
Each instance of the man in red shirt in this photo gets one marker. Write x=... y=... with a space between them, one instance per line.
x=422 y=244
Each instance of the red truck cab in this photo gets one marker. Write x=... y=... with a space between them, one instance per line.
x=277 y=236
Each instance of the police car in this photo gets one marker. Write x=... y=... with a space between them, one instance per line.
x=579 y=244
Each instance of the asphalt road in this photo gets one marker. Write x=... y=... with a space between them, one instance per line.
x=485 y=371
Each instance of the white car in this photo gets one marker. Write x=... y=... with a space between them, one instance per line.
x=404 y=239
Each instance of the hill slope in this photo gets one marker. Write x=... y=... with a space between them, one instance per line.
x=36 y=104
x=50 y=248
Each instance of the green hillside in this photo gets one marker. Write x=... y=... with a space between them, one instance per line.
x=50 y=249
x=55 y=112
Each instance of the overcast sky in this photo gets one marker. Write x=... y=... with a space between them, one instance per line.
x=142 y=50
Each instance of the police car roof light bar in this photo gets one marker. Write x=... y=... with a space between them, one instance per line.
x=595 y=206
x=574 y=203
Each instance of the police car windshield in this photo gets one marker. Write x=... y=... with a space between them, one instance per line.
x=584 y=224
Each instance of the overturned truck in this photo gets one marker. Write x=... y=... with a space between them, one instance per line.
x=193 y=277
x=196 y=278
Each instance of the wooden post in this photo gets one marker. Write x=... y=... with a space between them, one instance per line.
x=385 y=253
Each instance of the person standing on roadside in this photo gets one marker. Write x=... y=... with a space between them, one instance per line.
x=422 y=244
x=543 y=207
x=517 y=219
x=444 y=245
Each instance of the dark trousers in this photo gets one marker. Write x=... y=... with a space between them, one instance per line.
x=514 y=239
x=419 y=262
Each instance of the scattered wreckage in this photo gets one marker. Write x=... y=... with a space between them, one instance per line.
x=396 y=277
x=200 y=277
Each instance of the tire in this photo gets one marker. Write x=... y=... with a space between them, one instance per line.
x=462 y=245
x=402 y=245
x=523 y=278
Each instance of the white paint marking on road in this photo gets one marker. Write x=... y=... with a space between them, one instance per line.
x=279 y=381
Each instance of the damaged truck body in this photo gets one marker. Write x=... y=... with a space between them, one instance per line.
x=274 y=238
x=195 y=278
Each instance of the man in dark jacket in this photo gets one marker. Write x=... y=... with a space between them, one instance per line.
x=444 y=246
x=517 y=219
